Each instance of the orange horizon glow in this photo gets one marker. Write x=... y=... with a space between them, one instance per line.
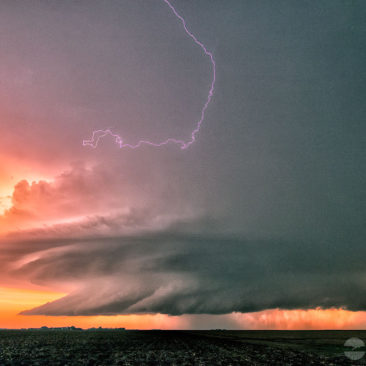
x=13 y=301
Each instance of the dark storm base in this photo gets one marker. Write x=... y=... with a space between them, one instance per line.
x=118 y=347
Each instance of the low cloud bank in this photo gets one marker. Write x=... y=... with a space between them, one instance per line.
x=173 y=272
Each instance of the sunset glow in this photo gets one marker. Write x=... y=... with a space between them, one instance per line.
x=15 y=300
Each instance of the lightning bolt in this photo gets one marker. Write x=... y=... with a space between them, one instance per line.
x=99 y=134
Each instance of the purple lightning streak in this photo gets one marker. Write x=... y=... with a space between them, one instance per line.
x=98 y=134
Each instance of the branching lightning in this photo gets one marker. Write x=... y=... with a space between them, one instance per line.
x=99 y=134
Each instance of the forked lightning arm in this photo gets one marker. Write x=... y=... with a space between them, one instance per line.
x=98 y=134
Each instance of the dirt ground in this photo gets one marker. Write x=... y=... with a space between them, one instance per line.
x=216 y=347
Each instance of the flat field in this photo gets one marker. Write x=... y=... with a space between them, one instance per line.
x=215 y=347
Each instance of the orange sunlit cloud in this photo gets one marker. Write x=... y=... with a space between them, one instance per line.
x=303 y=319
x=12 y=171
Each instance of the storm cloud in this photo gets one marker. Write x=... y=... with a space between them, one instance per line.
x=175 y=272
